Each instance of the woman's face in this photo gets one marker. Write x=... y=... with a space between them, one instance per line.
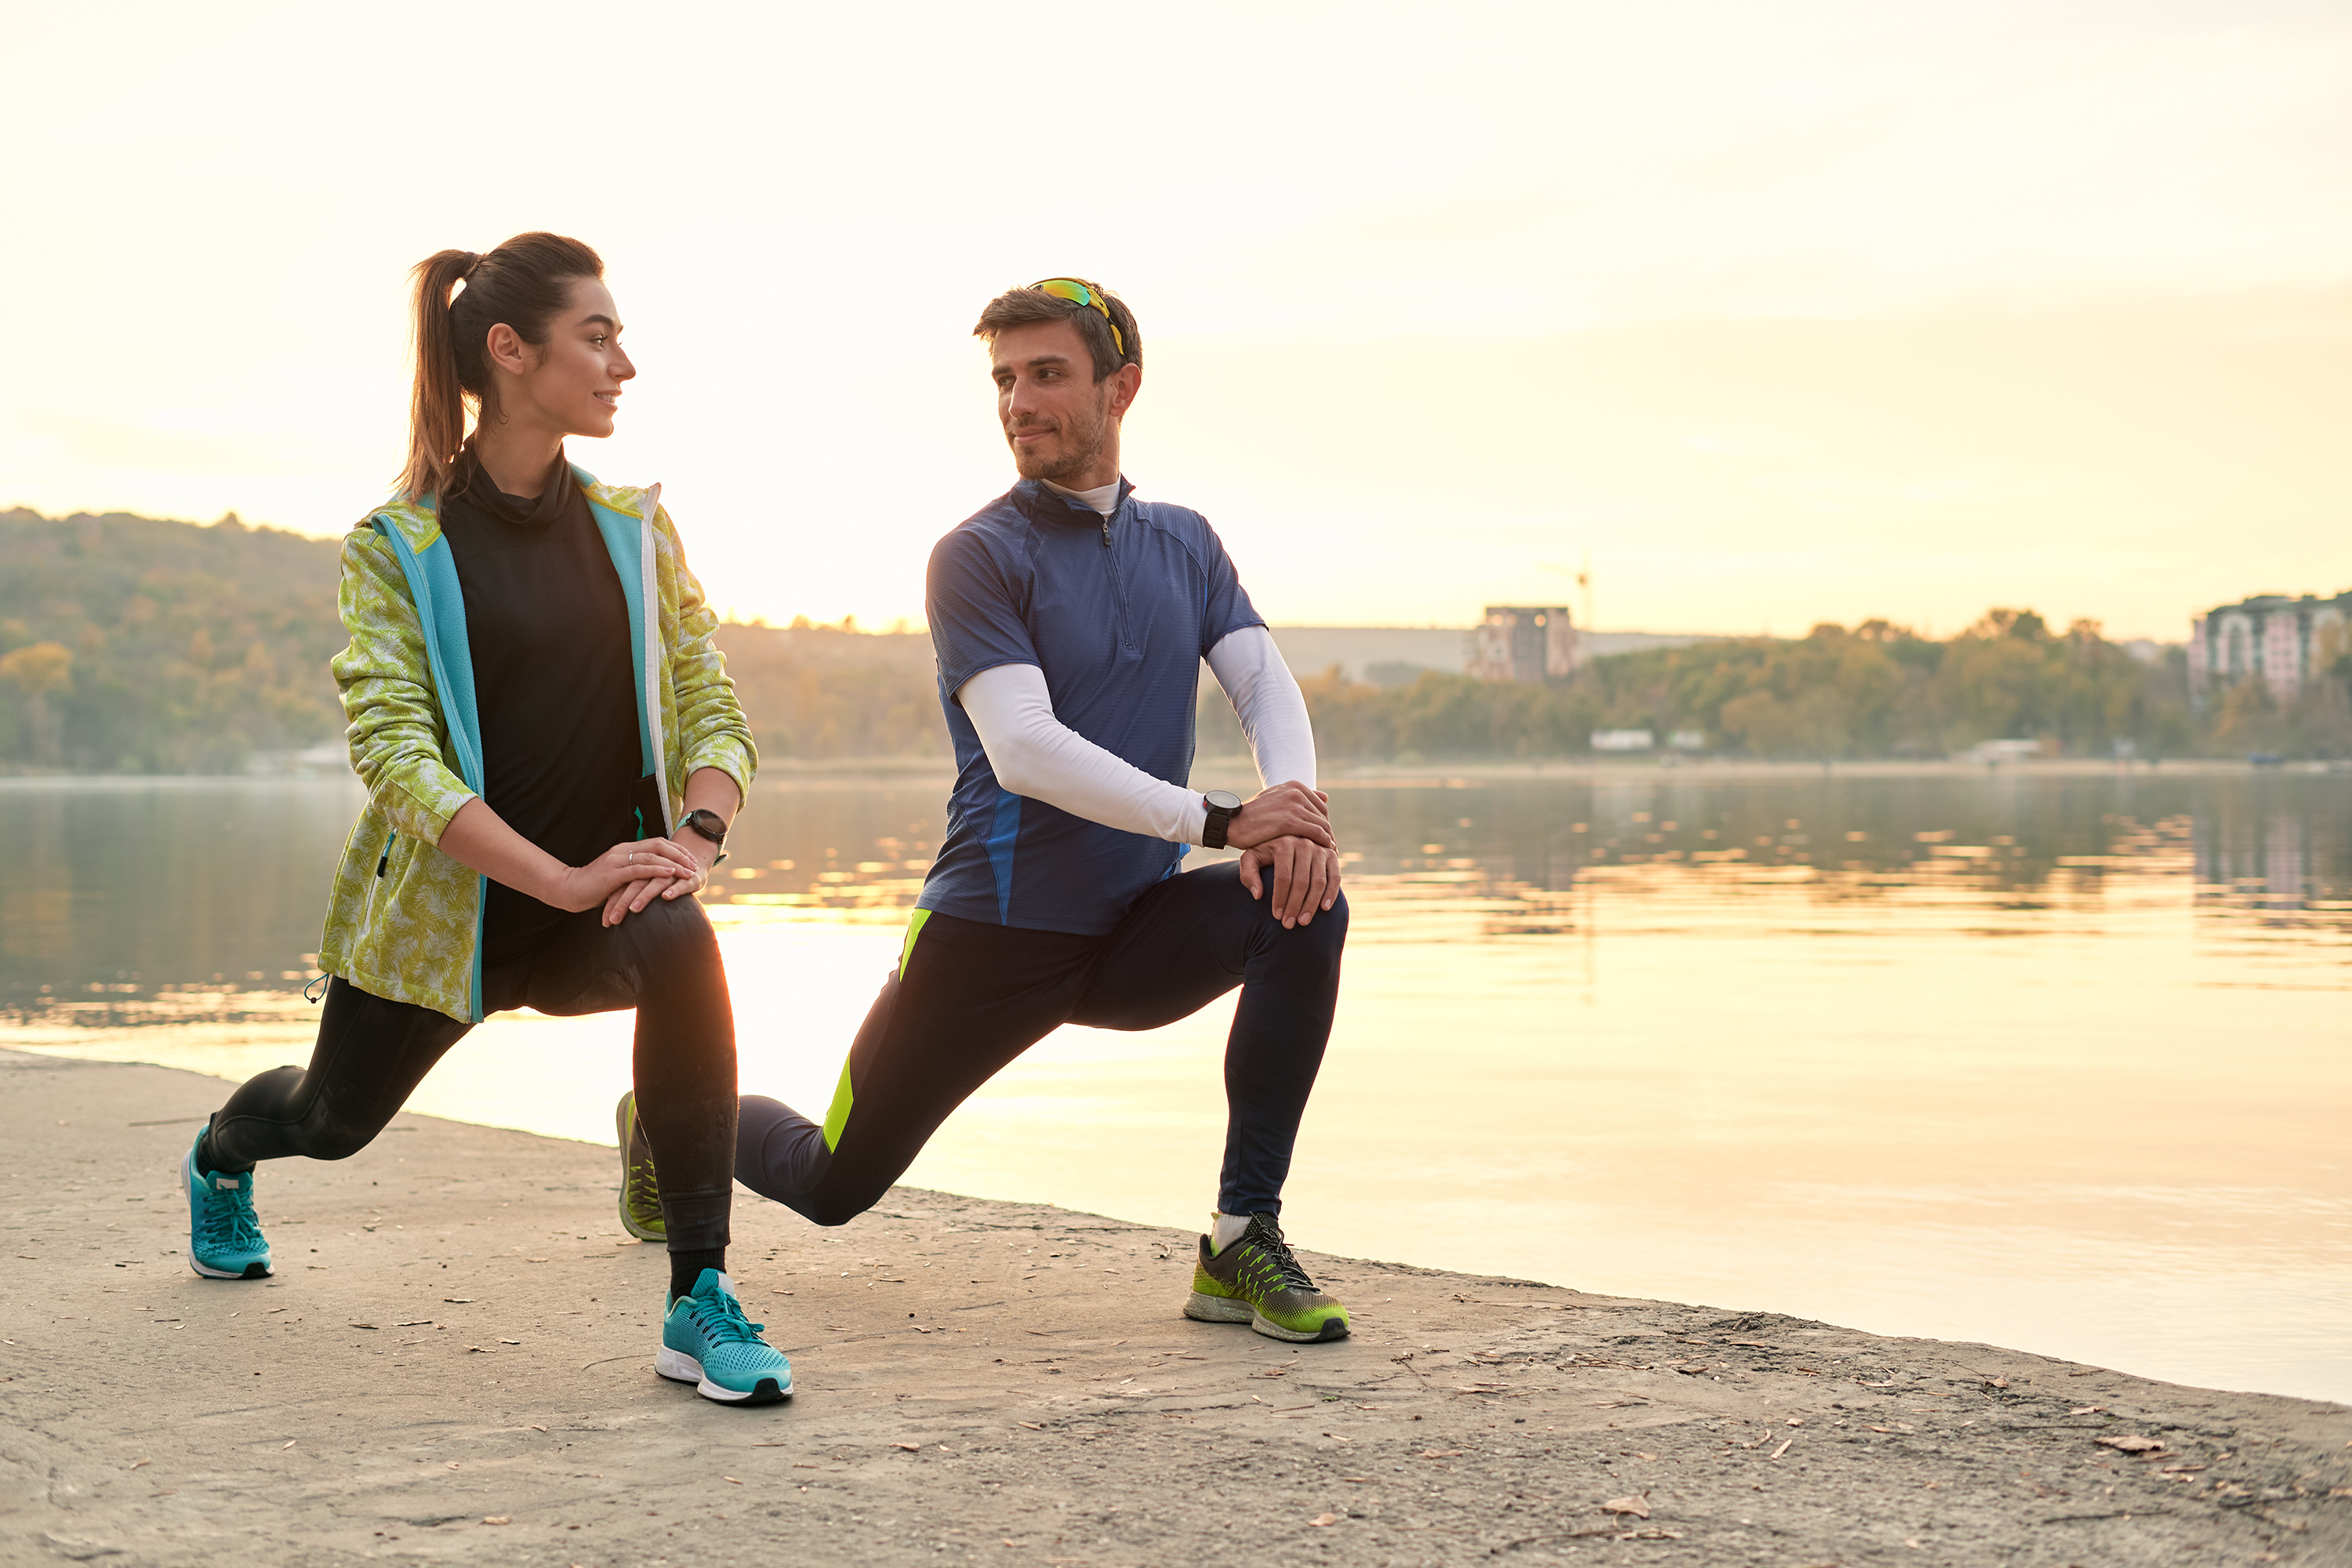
x=572 y=383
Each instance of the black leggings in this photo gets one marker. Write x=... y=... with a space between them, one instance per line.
x=372 y=1053
x=967 y=997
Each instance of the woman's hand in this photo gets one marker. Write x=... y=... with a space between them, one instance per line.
x=655 y=860
x=707 y=789
x=631 y=899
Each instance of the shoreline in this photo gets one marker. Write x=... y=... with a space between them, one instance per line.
x=1439 y=773
x=457 y=1335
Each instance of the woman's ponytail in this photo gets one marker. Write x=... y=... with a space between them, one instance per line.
x=436 y=412
x=524 y=283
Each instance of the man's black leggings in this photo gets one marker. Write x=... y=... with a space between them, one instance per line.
x=967 y=997
x=372 y=1053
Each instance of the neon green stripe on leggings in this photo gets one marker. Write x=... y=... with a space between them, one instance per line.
x=914 y=930
x=838 y=1117
x=843 y=1094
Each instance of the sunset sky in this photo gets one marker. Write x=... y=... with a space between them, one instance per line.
x=1779 y=313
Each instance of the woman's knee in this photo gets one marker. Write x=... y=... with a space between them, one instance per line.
x=327 y=1137
x=672 y=935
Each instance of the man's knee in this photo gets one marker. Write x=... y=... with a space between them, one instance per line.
x=1325 y=934
x=830 y=1212
x=1333 y=922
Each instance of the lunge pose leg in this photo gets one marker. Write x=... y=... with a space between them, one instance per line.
x=1070 y=618
x=552 y=753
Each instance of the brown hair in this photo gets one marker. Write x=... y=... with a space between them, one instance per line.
x=524 y=283
x=1026 y=307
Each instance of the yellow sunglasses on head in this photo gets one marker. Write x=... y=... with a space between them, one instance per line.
x=1078 y=292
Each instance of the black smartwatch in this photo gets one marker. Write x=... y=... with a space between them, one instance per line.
x=709 y=824
x=1221 y=805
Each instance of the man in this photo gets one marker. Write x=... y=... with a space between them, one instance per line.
x=1070 y=620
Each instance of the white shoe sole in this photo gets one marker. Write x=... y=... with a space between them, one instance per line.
x=1218 y=1309
x=680 y=1367
x=1226 y=1310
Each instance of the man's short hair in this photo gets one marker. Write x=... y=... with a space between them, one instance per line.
x=1027 y=307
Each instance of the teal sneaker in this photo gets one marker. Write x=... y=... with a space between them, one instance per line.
x=225 y=1241
x=1256 y=1281
x=641 y=1210
x=706 y=1341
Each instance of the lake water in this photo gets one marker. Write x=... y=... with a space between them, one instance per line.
x=2056 y=1061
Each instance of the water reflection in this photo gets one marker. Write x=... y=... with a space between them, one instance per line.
x=2046 y=1060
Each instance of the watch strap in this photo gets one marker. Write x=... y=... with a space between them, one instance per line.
x=1216 y=819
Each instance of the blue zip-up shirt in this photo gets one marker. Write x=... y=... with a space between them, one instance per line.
x=1117 y=611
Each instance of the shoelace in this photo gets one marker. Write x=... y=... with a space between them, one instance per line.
x=1270 y=1241
x=229 y=1219
x=645 y=1189
x=722 y=1322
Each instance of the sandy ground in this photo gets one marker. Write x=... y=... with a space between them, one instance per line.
x=455 y=1364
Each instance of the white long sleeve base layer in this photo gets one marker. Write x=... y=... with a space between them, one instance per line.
x=1035 y=754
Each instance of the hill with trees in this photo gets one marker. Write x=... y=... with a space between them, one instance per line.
x=131 y=644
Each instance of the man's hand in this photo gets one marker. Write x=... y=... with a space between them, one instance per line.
x=1305 y=878
x=1288 y=810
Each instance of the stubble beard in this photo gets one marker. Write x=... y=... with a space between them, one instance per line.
x=1083 y=446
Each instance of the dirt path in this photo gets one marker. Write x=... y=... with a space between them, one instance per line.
x=453 y=1363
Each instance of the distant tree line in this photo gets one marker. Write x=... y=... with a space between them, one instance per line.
x=817 y=693
x=129 y=645
x=1871 y=691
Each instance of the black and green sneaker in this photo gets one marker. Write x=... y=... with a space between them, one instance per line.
x=641 y=1210
x=1256 y=1281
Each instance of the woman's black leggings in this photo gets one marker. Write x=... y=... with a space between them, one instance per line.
x=967 y=997
x=372 y=1053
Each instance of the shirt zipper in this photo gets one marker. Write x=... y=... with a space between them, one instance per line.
x=1117 y=589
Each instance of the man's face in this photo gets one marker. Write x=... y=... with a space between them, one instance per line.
x=1061 y=423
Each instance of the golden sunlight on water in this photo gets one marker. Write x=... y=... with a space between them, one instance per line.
x=1963 y=1059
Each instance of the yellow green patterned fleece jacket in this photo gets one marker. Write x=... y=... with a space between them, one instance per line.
x=406 y=920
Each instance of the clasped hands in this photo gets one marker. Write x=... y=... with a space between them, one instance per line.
x=1286 y=829
x=628 y=877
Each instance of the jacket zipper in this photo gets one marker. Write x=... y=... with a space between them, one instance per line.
x=367 y=914
x=649 y=592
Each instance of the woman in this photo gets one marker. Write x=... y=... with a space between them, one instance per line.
x=552 y=753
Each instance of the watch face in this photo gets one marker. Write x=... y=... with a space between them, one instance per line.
x=1223 y=800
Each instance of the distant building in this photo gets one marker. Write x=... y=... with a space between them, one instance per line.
x=1381 y=656
x=1524 y=642
x=1623 y=740
x=1396 y=655
x=2281 y=641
